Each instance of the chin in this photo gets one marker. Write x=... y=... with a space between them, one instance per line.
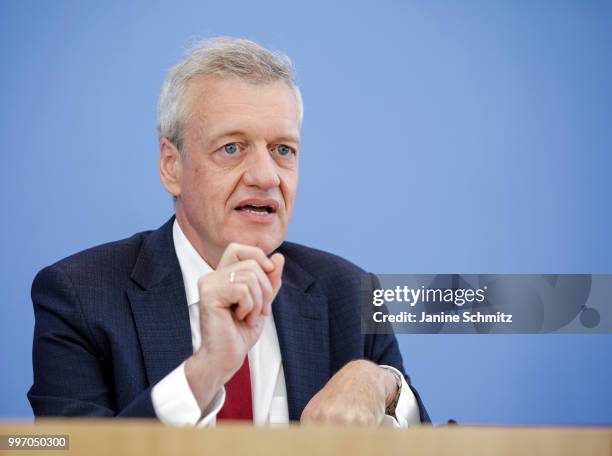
x=267 y=243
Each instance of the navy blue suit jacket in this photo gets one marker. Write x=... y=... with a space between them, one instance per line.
x=112 y=321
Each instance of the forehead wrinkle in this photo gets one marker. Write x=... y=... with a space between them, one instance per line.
x=204 y=96
x=277 y=127
x=235 y=110
x=211 y=115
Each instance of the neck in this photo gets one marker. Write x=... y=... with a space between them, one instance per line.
x=208 y=253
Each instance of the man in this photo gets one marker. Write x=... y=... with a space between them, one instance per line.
x=213 y=316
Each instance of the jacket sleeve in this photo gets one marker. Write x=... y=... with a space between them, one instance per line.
x=384 y=350
x=71 y=377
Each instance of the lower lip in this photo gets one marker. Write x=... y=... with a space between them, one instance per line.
x=257 y=218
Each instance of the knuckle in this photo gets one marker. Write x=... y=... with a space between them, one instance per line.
x=251 y=277
x=315 y=416
x=204 y=287
x=362 y=419
x=228 y=252
x=268 y=293
x=338 y=417
x=246 y=294
x=243 y=289
x=202 y=281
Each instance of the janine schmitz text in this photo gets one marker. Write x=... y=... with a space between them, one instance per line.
x=442 y=317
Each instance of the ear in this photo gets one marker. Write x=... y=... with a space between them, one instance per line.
x=170 y=167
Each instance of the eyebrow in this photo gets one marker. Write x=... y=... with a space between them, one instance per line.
x=290 y=138
x=283 y=138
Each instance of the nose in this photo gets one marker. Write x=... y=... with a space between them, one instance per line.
x=261 y=168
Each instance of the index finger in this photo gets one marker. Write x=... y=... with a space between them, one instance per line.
x=235 y=252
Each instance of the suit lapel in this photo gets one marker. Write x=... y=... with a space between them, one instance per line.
x=159 y=305
x=302 y=326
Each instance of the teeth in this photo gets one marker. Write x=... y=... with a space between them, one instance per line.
x=256 y=209
x=257 y=212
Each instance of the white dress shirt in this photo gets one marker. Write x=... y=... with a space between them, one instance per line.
x=173 y=400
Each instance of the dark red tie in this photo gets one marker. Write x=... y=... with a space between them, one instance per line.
x=238 y=402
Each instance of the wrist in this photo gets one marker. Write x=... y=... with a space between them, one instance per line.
x=385 y=382
x=391 y=386
x=203 y=381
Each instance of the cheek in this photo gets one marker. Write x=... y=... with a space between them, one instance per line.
x=289 y=189
x=197 y=189
x=216 y=188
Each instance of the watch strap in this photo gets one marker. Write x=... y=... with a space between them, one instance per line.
x=390 y=409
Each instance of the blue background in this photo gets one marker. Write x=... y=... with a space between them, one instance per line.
x=454 y=137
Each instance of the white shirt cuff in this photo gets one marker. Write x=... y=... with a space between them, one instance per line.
x=175 y=404
x=407 y=410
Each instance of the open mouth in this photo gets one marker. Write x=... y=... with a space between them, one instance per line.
x=256 y=209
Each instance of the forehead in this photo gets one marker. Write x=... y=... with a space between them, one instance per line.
x=216 y=104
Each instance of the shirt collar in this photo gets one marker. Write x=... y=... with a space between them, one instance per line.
x=192 y=265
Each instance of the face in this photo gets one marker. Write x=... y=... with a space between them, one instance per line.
x=238 y=178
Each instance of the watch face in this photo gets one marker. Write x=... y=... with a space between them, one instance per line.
x=390 y=409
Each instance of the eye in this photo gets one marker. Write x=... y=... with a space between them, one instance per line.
x=231 y=148
x=283 y=150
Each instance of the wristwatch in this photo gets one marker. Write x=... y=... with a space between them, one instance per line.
x=390 y=409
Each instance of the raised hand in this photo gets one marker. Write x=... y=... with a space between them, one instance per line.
x=234 y=301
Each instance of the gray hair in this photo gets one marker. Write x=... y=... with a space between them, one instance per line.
x=222 y=56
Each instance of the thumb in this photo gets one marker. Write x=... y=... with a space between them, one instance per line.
x=277 y=273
